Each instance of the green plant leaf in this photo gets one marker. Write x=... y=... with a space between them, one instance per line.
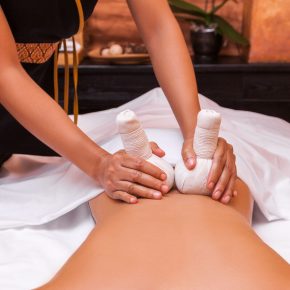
x=218 y=7
x=190 y=18
x=229 y=31
x=187 y=7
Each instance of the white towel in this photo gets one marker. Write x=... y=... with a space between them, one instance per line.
x=36 y=192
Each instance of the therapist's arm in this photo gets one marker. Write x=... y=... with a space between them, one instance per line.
x=37 y=111
x=43 y=117
x=174 y=70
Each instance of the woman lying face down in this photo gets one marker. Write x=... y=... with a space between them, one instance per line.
x=181 y=242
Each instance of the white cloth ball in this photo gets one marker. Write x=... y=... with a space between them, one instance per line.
x=193 y=181
x=127 y=122
x=164 y=166
x=136 y=143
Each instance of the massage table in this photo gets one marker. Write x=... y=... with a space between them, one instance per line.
x=44 y=212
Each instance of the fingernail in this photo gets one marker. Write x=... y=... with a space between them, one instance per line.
x=211 y=185
x=157 y=194
x=226 y=199
x=133 y=200
x=164 y=188
x=190 y=161
x=163 y=176
x=235 y=193
x=216 y=194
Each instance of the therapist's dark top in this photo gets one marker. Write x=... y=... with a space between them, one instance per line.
x=37 y=21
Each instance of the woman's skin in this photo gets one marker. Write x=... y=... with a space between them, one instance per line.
x=116 y=173
x=184 y=242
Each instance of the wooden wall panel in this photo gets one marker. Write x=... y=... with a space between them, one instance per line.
x=267 y=24
x=111 y=21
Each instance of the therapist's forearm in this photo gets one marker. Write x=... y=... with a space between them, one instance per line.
x=174 y=70
x=39 y=114
x=171 y=61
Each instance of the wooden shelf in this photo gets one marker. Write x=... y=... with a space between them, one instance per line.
x=231 y=82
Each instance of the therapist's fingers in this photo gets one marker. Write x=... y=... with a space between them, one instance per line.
x=139 y=190
x=229 y=192
x=221 y=185
x=156 y=149
x=218 y=163
x=188 y=154
x=142 y=165
x=124 y=196
x=144 y=179
x=225 y=187
x=115 y=168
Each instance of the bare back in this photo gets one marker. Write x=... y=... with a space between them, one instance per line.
x=181 y=242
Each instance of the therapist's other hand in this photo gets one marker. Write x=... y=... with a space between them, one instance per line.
x=223 y=173
x=126 y=178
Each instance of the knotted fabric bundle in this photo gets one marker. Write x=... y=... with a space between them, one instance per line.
x=136 y=143
x=204 y=144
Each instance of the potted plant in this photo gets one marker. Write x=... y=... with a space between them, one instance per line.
x=208 y=29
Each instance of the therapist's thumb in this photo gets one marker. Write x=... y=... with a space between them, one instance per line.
x=188 y=154
x=156 y=149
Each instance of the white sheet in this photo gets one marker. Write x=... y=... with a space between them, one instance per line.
x=47 y=191
x=30 y=256
x=36 y=190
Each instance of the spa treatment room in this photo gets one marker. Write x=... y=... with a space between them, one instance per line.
x=145 y=145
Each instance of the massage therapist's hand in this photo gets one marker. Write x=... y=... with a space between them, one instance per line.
x=223 y=173
x=126 y=177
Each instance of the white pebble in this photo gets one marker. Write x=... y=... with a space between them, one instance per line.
x=116 y=49
x=105 y=52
